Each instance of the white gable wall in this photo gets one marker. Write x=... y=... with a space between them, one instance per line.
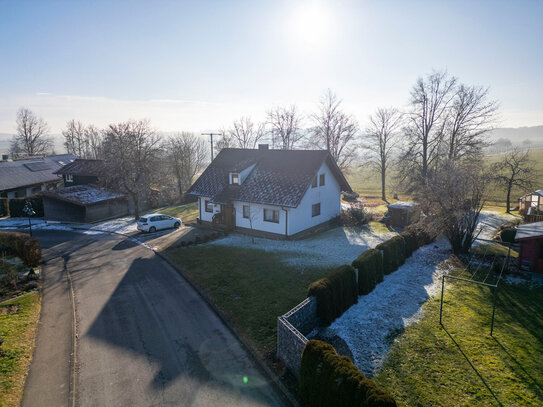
x=329 y=196
x=207 y=216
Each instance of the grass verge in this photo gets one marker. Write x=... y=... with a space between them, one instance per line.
x=461 y=364
x=252 y=287
x=18 y=321
x=186 y=212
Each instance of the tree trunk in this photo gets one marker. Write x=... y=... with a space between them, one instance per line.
x=383 y=185
x=135 y=199
x=509 y=187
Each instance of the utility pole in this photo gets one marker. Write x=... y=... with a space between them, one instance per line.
x=211 y=134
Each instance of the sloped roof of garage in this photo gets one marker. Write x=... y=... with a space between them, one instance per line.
x=279 y=177
x=83 y=195
x=529 y=230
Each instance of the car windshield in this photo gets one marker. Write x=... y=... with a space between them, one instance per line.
x=143 y=219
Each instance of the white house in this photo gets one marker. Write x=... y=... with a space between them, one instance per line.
x=279 y=192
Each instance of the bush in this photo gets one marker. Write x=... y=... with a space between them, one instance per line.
x=327 y=379
x=508 y=235
x=370 y=270
x=355 y=215
x=335 y=293
x=23 y=246
x=16 y=206
x=394 y=253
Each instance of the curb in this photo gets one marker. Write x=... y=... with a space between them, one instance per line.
x=280 y=387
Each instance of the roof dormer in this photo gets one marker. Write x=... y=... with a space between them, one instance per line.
x=234 y=178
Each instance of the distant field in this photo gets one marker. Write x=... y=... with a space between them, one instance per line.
x=367 y=182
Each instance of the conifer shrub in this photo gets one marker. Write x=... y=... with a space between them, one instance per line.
x=394 y=253
x=370 y=270
x=327 y=379
x=16 y=206
x=508 y=235
x=335 y=293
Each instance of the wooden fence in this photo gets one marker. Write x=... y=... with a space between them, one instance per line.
x=533 y=218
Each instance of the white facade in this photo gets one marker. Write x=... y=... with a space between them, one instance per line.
x=289 y=220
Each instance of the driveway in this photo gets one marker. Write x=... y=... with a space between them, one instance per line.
x=144 y=337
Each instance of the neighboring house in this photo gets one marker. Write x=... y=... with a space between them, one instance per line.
x=277 y=192
x=81 y=172
x=530 y=237
x=83 y=203
x=532 y=203
x=22 y=178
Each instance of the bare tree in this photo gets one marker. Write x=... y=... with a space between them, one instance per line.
x=457 y=195
x=246 y=134
x=334 y=130
x=381 y=139
x=187 y=154
x=130 y=154
x=430 y=100
x=285 y=129
x=74 y=138
x=471 y=116
x=93 y=142
x=515 y=170
x=32 y=135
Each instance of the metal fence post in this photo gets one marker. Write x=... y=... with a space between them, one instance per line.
x=495 y=292
x=441 y=306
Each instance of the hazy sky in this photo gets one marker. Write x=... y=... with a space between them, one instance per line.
x=199 y=65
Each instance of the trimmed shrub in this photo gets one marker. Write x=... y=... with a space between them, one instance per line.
x=508 y=235
x=335 y=293
x=355 y=215
x=327 y=379
x=394 y=253
x=370 y=270
x=16 y=206
x=23 y=246
x=197 y=239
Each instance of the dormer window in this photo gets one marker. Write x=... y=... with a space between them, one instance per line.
x=69 y=178
x=235 y=178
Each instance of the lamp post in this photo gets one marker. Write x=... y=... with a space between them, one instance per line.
x=29 y=212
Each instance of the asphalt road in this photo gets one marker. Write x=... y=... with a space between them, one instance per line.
x=144 y=337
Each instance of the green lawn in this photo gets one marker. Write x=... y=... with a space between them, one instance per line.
x=186 y=212
x=462 y=365
x=251 y=286
x=18 y=320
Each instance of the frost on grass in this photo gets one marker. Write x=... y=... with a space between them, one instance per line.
x=332 y=248
x=370 y=326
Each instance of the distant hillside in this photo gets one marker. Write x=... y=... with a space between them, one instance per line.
x=519 y=134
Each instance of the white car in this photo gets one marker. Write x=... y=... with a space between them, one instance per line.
x=152 y=223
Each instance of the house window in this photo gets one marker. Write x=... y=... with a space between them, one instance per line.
x=271 y=215
x=316 y=210
x=246 y=211
x=69 y=178
x=314 y=184
x=209 y=206
x=321 y=181
x=235 y=179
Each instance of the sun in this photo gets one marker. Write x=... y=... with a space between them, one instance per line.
x=311 y=25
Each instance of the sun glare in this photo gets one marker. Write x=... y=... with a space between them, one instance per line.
x=311 y=25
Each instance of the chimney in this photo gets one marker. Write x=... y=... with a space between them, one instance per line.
x=263 y=146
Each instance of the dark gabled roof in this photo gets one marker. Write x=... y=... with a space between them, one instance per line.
x=83 y=195
x=87 y=168
x=31 y=171
x=279 y=177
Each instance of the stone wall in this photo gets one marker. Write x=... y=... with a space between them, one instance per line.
x=291 y=330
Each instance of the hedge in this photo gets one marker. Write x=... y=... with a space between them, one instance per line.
x=23 y=246
x=327 y=379
x=16 y=206
x=335 y=293
x=394 y=253
x=370 y=270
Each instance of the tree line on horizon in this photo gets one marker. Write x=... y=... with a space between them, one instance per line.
x=435 y=145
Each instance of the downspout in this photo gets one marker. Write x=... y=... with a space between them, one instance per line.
x=200 y=209
x=286 y=221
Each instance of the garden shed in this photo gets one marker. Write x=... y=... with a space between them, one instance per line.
x=83 y=203
x=530 y=237
x=402 y=214
x=532 y=203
